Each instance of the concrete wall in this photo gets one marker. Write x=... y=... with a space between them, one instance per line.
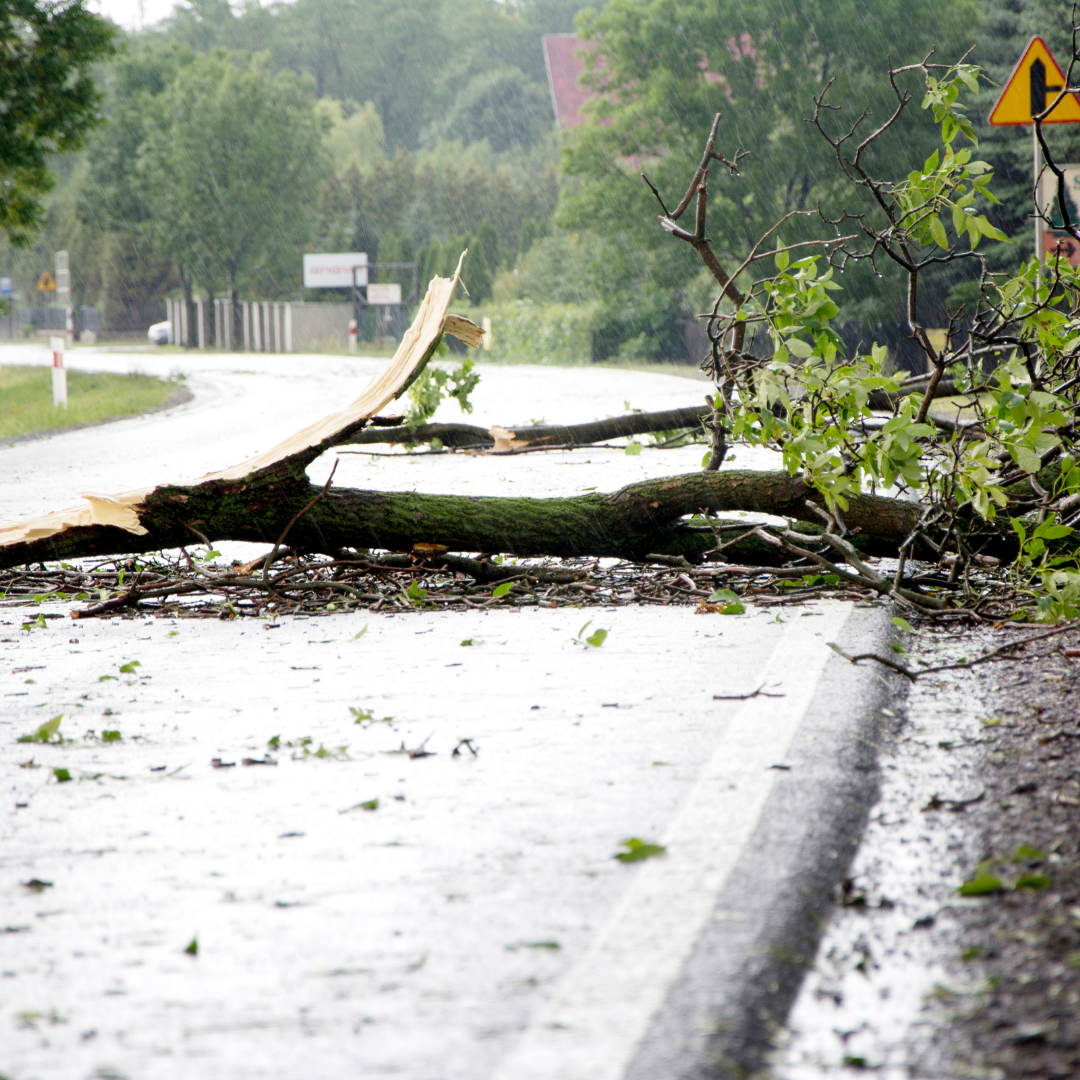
x=265 y=326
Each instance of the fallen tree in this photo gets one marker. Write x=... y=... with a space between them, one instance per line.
x=633 y=523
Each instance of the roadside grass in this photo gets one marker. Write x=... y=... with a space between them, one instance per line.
x=26 y=406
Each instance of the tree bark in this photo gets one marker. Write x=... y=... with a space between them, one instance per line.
x=470 y=435
x=637 y=521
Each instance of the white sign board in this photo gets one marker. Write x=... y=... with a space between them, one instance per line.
x=384 y=294
x=7 y=286
x=335 y=271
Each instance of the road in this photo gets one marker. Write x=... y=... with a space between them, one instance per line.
x=475 y=924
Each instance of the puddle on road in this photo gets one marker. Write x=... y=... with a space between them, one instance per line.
x=875 y=995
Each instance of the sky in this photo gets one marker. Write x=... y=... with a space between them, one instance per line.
x=133 y=14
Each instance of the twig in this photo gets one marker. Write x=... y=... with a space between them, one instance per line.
x=759 y=692
x=994 y=654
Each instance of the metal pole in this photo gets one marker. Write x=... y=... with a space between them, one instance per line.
x=1037 y=153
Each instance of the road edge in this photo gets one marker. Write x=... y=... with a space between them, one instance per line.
x=736 y=987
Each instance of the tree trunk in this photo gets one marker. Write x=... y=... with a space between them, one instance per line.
x=640 y=520
x=236 y=330
x=192 y=338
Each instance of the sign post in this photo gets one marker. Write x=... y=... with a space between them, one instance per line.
x=59 y=373
x=63 y=294
x=1036 y=82
x=7 y=290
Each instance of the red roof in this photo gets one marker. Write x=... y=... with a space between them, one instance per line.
x=564 y=68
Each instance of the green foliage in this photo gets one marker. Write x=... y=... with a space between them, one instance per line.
x=729 y=601
x=636 y=850
x=63 y=776
x=192 y=948
x=594 y=640
x=761 y=65
x=49 y=732
x=50 y=102
x=527 y=332
x=434 y=384
x=367 y=717
x=231 y=159
x=983 y=883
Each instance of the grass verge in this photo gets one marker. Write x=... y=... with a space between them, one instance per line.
x=26 y=406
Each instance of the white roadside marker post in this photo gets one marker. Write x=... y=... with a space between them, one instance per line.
x=352 y=335
x=59 y=373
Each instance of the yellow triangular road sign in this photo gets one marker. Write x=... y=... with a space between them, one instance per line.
x=1034 y=84
x=46 y=283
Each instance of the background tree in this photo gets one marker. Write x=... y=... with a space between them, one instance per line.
x=666 y=66
x=48 y=101
x=231 y=168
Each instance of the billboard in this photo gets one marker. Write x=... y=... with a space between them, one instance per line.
x=384 y=294
x=335 y=271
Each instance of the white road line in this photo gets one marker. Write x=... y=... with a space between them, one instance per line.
x=601 y=1009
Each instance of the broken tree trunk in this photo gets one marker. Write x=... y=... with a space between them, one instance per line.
x=640 y=520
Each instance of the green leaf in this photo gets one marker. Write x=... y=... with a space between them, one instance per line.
x=782 y=259
x=982 y=884
x=723 y=596
x=989 y=230
x=632 y=449
x=1032 y=881
x=730 y=600
x=274 y=743
x=596 y=638
x=357 y=637
x=1026 y=458
x=193 y=947
x=111 y=736
x=902 y=624
x=1026 y=853
x=937 y=231
x=63 y=776
x=800 y=347
x=636 y=850
x=1050 y=531
x=44 y=733
x=500 y=590
x=129 y=669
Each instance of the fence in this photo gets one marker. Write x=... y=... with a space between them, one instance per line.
x=265 y=326
x=23 y=321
